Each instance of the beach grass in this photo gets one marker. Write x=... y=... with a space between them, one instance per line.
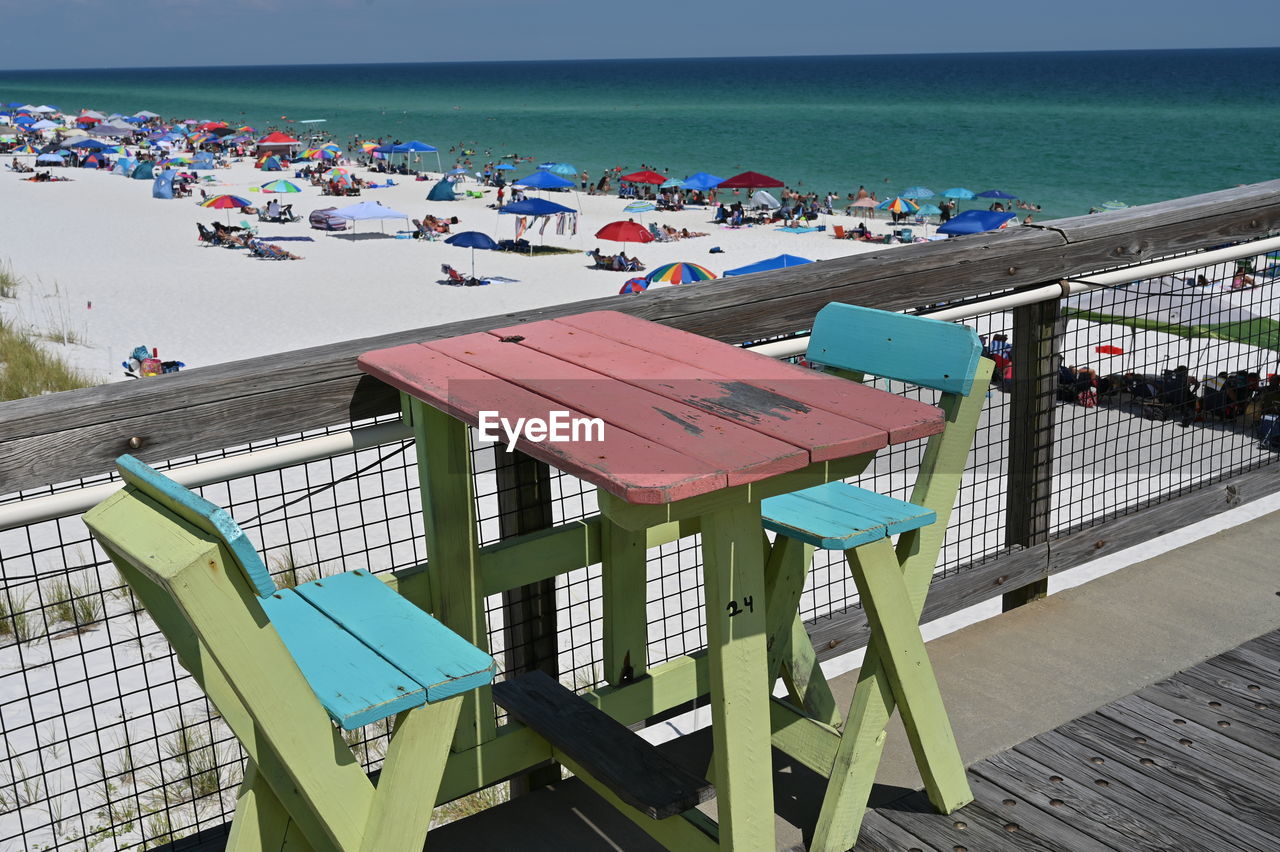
x=8 y=281
x=28 y=370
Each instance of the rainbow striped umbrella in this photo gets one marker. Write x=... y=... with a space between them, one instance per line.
x=680 y=273
x=280 y=186
x=898 y=204
x=320 y=154
x=226 y=202
x=25 y=149
x=634 y=285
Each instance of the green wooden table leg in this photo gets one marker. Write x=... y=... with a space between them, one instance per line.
x=261 y=823
x=735 y=607
x=443 y=447
x=625 y=621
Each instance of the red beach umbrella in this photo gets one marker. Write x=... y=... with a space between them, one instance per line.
x=648 y=176
x=625 y=232
x=750 y=180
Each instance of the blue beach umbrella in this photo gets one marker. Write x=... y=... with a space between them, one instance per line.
x=634 y=285
x=957 y=192
x=782 y=261
x=49 y=158
x=504 y=167
x=534 y=207
x=562 y=169
x=674 y=183
x=472 y=240
x=975 y=222
x=995 y=193
x=917 y=192
x=929 y=210
x=640 y=207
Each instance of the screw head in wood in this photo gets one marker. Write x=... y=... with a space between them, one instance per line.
x=135 y=443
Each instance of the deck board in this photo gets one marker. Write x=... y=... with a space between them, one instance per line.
x=1175 y=778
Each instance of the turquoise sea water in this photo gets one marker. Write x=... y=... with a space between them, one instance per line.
x=1064 y=130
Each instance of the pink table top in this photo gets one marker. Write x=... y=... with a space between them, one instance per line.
x=682 y=415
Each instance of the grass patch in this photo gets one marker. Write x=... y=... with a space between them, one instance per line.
x=539 y=251
x=27 y=370
x=8 y=281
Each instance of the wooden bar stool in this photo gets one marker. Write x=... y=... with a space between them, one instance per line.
x=892 y=582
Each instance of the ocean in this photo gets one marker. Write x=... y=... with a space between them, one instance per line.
x=1066 y=131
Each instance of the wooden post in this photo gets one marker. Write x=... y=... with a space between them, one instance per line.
x=1029 y=490
x=529 y=612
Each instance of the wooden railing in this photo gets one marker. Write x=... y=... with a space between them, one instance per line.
x=64 y=437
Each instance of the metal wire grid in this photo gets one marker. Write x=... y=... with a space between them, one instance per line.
x=108 y=741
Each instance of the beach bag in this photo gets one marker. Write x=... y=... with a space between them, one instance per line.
x=1088 y=399
x=1268 y=431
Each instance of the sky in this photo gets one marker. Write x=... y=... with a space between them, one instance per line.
x=160 y=33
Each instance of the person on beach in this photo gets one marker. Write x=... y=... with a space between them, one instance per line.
x=501 y=192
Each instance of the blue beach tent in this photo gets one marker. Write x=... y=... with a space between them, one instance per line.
x=442 y=191
x=543 y=180
x=162 y=185
x=782 y=261
x=202 y=160
x=702 y=181
x=144 y=171
x=975 y=222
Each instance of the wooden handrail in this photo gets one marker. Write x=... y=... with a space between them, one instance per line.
x=65 y=436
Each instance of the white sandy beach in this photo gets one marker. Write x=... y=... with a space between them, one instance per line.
x=113 y=268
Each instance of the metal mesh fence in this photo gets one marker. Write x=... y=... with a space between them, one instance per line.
x=109 y=744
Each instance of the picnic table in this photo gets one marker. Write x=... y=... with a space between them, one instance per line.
x=670 y=427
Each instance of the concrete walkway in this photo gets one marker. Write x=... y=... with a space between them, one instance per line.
x=1004 y=680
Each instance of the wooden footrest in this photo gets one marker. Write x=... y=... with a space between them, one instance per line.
x=604 y=748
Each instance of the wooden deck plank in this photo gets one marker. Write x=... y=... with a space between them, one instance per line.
x=1206 y=823
x=823 y=434
x=630 y=466
x=1230 y=759
x=1181 y=776
x=1232 y=691
x=1188 y=702
x=904 y=419
x=971 y=827
x=1007 y=798
x=1104 y=812
x=1264 y=669
x=746 y=455
x=1266 y=645
x=880 y=834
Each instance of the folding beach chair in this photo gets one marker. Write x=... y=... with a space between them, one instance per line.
x=282 y=666
x=892 y=582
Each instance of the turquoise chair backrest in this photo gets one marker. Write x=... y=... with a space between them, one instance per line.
x=202 y=515
x=917 y=350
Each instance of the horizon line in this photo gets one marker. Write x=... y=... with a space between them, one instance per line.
x=29 y=70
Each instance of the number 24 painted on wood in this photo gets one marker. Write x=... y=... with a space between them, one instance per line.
x=734 y=609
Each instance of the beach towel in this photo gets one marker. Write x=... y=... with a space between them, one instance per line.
x=797 y=230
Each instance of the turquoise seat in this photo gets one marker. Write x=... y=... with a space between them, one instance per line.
x=838 y=516
x=365 y=651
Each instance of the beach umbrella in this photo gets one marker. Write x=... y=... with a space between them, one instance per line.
x=319 y=154
x=864 y=204
x=543 y=180
x=917 y=192
x=51 y=157
x=702 y=181
x=640 y=207
x=25 y=149
x=625 y=232
x=929 y=210
x=504 y=167
x=673 y=183
x=535 y=207
x=646 y=176
x=281 y=186
x=225 y=202
x=975 y=222
x=782 y=261
x=563 y=169
x=899 y=205
x=680 y=273
x=472 y=240
x=634 y=285
x=995 y=193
